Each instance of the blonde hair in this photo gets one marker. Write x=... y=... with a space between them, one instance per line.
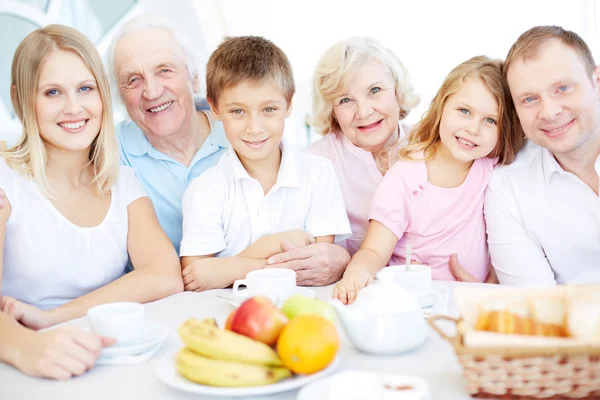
x=29 y=155
x=426 y=133
x=336 y=66
x=247 y=58
x=528 y=44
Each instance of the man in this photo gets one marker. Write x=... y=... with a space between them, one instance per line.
x=169 y=143
x=543 y=211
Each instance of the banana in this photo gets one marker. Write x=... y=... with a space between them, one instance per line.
x=211 y=372
x=206 y=339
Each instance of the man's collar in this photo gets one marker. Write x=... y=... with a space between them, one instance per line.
x=134 y=140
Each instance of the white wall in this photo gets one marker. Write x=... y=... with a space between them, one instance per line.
x=430 y=37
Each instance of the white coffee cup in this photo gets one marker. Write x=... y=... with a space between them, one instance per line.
x=275 y=283
x=124 y=321
x=416 y=279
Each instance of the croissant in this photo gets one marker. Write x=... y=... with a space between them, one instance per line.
x=509 y=323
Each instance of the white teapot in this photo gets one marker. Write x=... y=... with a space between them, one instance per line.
x=383 y=319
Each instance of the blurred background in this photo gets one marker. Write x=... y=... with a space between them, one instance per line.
x=430 y=36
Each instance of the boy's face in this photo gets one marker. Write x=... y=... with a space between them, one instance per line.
x=253 y=115
x=557 y=100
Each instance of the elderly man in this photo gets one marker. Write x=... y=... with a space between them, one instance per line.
x=542 y=211
x=168 y=142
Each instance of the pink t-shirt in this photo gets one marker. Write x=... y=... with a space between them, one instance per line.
x=358 y=176
x=436 y=221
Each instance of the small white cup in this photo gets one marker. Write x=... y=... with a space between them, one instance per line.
x=275 y=283
x=123 y=321
x=415 y=279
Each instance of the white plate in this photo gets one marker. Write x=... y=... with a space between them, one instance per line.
x=168 y=374
x=364 y=384
x=242 y=295
x=155 y=333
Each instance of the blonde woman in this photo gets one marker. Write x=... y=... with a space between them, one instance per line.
x=73 y=215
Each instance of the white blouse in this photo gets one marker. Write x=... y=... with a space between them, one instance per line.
x=48 y=260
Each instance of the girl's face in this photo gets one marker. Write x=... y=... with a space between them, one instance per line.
x=68 y=104
x=469 y=125
x=367 y=110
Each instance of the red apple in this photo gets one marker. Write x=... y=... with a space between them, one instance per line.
x=230 y=320
x=259 y=319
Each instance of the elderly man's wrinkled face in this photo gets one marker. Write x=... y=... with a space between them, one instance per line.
x=154 y=82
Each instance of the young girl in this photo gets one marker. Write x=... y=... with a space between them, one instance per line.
x=432 y=198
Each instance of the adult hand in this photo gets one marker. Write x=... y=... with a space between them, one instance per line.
x=462 y=275
x=26 y=314
x=317 y=264
x=59 y=353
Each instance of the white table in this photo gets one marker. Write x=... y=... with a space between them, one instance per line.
x=435 y=361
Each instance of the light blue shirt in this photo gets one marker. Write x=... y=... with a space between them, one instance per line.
x=164 y=178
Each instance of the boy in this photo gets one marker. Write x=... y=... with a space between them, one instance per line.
x=261 y=192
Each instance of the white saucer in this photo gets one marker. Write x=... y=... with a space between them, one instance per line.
x=430 y=299
x=242 y=295
x=361 y=384
x=155 y=333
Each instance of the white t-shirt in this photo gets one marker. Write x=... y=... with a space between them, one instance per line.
x=543 y=223
x=49 y=261
x=225 y=210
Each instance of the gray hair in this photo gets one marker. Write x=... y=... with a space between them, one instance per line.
x=149 y=21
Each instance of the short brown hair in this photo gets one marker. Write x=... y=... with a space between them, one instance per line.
x=426 y=134
x=528 y=44
x=247 y=58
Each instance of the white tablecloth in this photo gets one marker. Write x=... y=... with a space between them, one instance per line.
x=435 y=361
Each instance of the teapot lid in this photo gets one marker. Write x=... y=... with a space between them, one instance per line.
x=385 y=298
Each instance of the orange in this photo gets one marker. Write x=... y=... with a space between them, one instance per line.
x=307 y=344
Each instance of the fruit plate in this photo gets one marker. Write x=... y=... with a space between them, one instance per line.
x=168 y=375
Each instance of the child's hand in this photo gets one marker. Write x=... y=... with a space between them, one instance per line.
x=346 y=289
x=298 y=237
x=202 y=275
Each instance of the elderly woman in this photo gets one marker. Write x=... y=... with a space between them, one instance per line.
x=361 y=92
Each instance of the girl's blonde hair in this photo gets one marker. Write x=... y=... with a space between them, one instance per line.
x=29 y=155
x=426 y=133
x=336 y=66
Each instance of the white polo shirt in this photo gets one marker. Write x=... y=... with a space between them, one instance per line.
x=225 y=210
x=543 y=223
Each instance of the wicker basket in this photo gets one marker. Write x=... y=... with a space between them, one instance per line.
x=526 y=373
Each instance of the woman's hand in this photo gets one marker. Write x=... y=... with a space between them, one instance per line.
x=28 y=315
x=353 y=281
x=59 y=353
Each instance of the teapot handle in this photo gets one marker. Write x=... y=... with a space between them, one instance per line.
x=433 y=323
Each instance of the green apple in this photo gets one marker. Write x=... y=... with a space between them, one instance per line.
x=301 y=305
